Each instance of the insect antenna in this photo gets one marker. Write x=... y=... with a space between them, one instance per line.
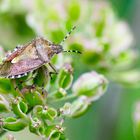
x=68 y=34
x=73 y=51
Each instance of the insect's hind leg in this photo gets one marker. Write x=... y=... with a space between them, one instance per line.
x=19 y=83
x=15 y=84
x=16 y=87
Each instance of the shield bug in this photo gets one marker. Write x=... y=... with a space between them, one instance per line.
x=31 y=56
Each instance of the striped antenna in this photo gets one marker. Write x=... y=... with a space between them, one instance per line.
x=68 y=34
x=73 y=51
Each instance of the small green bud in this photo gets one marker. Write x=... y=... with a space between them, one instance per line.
x=14 y=124
x=65 y=77
x=90 y=84
x=60 y=93
x=66 y=109
x=32 y=96
x=45 y=112
x=79 y=107
x=49 y=113
x=55 y=132
x=19 y=108
x=4 y=105
x=37 y=110
x=35 y=126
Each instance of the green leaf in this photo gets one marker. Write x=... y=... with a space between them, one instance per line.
x=53 y=133
x=49 y=113
x=79 y=107
x=37 y=110
x=35 y=126
x=33 y=97
x=60 y=93
x=65 y=78
x=69 y=25
x=20 y=108
x=42 y=77
x=14 y=124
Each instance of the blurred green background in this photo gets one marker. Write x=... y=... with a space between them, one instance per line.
x=110 y=118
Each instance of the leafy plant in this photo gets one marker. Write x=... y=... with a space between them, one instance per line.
x=42 y=103
x=35 y=106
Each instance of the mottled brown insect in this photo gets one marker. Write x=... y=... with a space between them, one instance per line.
x=30 y=57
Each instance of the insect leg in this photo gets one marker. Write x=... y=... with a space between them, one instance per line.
x=16 y=87
x=27 y=79
x=54 y=69
x=14 y=84
x=42 y=91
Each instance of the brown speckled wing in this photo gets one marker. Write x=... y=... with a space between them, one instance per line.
x=27 y=51
x=25 y=66
x=15 y=53
x=10 y=70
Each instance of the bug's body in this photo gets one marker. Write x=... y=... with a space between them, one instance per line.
x=28 y=58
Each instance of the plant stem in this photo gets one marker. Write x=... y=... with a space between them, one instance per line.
x=69 y=97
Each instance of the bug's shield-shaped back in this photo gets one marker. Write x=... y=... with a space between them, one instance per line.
x=20 y=62
x=27 y=58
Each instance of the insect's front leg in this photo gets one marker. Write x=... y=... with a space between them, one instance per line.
x=54 y=70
